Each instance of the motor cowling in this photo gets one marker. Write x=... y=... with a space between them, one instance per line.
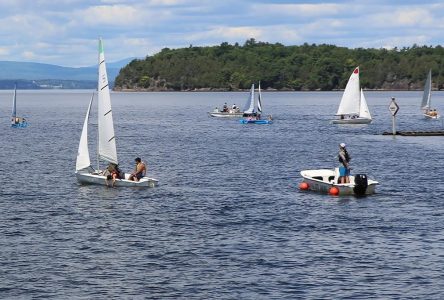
x=361 y=184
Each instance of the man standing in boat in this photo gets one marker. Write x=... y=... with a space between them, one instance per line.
x=344 y=159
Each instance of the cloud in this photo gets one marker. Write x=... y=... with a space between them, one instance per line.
x=299 y=10
x=115 y=15
x=404 y=18
x=65 y=32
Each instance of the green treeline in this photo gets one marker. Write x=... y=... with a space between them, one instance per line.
x=305 y=67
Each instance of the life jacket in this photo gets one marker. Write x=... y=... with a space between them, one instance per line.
x=346 y=155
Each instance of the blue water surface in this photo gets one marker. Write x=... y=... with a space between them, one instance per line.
x=227 y=220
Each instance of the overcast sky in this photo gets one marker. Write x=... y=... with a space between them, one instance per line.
x=65 y=32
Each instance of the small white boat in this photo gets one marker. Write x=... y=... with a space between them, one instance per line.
x=226 y=114
x=107 y=150
x=426 y=105
x=327 y=181
x=353 y=108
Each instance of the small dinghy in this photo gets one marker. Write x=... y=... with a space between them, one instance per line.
x=327 y=181
x=17 y=122
x=353 y=107
x=253 y=112
x=106 y=147
x=426 y=103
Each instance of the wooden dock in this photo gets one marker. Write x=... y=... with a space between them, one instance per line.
x=417 y=133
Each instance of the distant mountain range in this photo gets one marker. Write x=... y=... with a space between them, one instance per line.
x=30 y=75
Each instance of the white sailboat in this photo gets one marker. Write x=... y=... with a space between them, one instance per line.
x=253 y=109
x=353 y=108
x=426 y=107
x=16 y=122
x=107 y=150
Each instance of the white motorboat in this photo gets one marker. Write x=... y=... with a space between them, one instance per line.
x=327 y=181
x=226 y=114
x=353 y=107
x=107 y=150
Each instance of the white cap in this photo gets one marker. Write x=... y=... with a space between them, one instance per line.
x=342 y=145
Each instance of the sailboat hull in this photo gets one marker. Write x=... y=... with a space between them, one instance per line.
x=90 y=178
x=352 y=121
x=426 y=116
x=244 y=121
x=19 y=125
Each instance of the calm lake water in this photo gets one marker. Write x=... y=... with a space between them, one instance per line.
x=227 y=220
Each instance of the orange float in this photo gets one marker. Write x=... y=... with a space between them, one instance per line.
x=304 y=186
x=334 y=191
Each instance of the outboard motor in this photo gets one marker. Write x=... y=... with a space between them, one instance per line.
x=360 y=184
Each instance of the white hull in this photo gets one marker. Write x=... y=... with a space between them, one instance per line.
x=352 y=121
x=226 y=114
x=323 y=180
x=431 y=117
x=89 y=178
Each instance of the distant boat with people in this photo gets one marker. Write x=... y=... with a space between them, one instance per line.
x=253 y=111
x=106 y=146
x=17 y=122
x=227 y=111
x=353 y=108
x=426 y=103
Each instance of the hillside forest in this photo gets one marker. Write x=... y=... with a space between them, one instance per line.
x=293 y=68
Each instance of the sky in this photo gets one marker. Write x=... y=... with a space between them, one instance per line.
x=65 y=32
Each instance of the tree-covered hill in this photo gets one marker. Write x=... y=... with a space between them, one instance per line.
x=305 y=67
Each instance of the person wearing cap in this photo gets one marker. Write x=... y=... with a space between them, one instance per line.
x=344 y=159
x=139 y=171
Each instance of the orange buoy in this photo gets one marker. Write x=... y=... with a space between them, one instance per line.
x=334 y=191
x=304 y=186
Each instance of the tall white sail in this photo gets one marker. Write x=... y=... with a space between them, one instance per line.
x=107 y=142
x=83 y=160
x=259 y=100
x=364 y=112
x=350 y=99
x=14 y=105
x=250 y=106
x=426 y=97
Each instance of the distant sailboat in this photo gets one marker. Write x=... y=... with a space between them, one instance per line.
x=17 y=122
x=353 y=107
x=253 y=109
x=107 y=150
x=426 y=107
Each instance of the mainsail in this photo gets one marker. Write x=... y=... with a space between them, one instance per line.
x=426 y=97
x=350 y=99
x=250 y=105
x=83 y=160
x=107 y=142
